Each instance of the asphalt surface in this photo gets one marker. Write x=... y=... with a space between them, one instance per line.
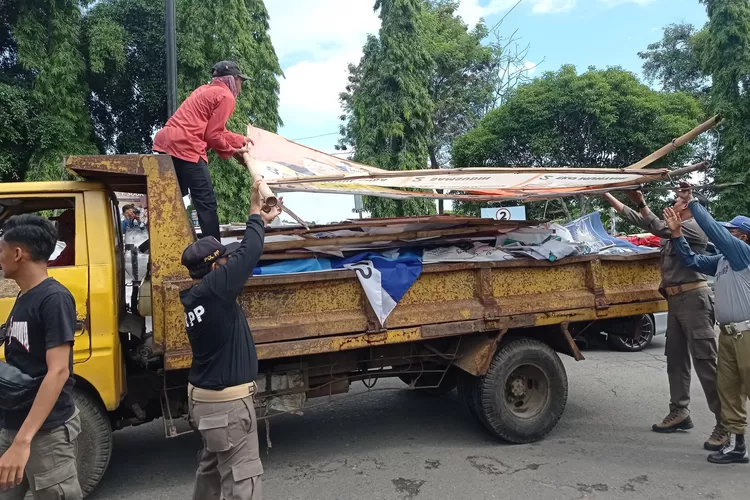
x=397 y=444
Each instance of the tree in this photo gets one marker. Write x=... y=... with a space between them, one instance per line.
x=601 y=118
x=459 y=85
x=126 y=53
x=389 y=105
x=465 y=78
x=125 y=50
x=81 y=77
x=43 y=72
x=674 y=61
x=725 y=56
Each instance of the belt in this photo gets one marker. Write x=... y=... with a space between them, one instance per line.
x=671 y=291
x=223 y=396
x=735 y=329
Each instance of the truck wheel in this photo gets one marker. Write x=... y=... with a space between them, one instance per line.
x=646 y=329
x=523 y=394
x=469 y=393
x=433 y=383
x=94 y=442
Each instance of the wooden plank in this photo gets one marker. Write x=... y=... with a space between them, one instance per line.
x=357 y=240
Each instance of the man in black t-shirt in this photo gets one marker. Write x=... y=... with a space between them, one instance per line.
x=225 y=364
x=38 y=444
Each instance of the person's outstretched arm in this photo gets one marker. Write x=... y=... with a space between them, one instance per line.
x=228 y=280
x=705 y=264
x=643 y=218
x=736 y=251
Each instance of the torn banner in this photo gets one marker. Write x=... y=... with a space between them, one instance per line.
x=385 y=278
x=287 y=166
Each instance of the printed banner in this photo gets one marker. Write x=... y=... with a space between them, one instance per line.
x=288 y=166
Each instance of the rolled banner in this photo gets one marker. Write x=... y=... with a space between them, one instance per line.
x=269 y=199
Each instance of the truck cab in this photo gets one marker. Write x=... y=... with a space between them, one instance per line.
x=92 y=269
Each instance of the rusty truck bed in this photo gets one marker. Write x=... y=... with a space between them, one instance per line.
x=312 y=313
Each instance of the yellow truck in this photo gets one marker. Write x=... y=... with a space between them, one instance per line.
x=494 y=330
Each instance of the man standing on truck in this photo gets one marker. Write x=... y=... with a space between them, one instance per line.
x=222 y=376
x=38 y=444
x=199 y=124
x=690 y=319
x=732 y=271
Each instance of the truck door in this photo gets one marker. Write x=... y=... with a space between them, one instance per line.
x=69 y=263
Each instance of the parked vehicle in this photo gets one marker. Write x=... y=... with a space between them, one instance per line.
x=630 y=334
x=492 y=329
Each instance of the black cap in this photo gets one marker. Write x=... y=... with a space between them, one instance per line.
x=206 y=250
x=228 y=68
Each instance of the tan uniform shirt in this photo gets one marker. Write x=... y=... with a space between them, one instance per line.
x=673 y=272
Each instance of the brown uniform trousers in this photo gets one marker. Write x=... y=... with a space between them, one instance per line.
x=51 y=470
x=691 y=332
x=734 y=380
x=229 y=464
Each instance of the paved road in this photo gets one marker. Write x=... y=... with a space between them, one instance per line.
x=402 y=445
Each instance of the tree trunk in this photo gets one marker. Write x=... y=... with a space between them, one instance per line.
x=583 y=202
x=568 y=217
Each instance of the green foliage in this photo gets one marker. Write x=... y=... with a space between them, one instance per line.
x=426 y=79
x=725 y=56
x=16 y=146
x=674 y=61
x=460 y=85
x=601 y=118
x=75 y=81
x=43 y=62
x=388 y=103
x=126 y=73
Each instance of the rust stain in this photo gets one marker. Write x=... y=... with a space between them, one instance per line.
x=328 y=312
x=477 y=352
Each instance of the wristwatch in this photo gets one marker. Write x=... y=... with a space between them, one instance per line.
x=641 y=205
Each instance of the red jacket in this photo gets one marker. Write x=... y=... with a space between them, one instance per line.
x=199 y=124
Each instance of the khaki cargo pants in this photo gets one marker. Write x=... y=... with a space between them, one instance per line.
x=229 y=463
x=691 y=333
x=734 y=380
x=51 y=470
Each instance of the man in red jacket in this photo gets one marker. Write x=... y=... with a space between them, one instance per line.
x=199 y=124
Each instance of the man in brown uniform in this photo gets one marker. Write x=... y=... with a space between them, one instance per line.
x=690 y=323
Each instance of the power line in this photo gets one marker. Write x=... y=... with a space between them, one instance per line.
x=506 y=15
x=315 y=136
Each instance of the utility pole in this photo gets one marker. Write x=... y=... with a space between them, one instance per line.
x=171 y=37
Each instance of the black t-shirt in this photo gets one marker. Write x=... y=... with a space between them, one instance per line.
x=223 y=348
x=42 y=318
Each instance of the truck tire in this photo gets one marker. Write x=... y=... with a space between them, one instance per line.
x=523 y=394
x=469 y=393
x=434 y=384
x=94 y=442
x=646 y=328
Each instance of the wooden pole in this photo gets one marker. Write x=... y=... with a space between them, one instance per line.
x=269 y=199
x=676 y=143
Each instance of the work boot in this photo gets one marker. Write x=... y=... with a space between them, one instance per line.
x=677 y=420
x=718 y=440
x=735 y=452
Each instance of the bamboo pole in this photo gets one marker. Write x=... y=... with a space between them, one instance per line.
x=676 y=143
x=269 y=199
